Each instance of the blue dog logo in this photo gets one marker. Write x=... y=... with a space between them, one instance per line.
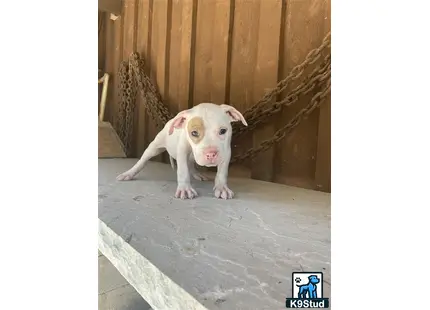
x=308 y=290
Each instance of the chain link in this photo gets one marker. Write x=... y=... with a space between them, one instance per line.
x=132 y=77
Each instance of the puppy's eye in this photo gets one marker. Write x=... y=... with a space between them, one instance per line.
x=194 y=133
x=222 y=131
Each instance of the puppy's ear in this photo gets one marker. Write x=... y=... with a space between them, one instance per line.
x=178 y=121
x=235 y=115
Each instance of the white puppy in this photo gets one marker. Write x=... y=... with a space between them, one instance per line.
x=201 y=134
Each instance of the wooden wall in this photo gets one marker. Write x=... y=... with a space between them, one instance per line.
x=227 y=51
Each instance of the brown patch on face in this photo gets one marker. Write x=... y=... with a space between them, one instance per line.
x=196 y=125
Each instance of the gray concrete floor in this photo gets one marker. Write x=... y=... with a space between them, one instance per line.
x=211 y=253
x=114 y=291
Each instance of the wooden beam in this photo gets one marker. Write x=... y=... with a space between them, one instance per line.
x=111 y=6
x=265 y=78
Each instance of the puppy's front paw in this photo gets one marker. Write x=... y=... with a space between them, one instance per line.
x=222 y=191
x=185 y=192
x=126 y=176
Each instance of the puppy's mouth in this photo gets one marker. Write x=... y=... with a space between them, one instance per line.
x=211 y=164
x=207 y=163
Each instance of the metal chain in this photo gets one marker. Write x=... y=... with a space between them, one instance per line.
x=132 y=77
x=127 y=94
x=312 y=81
x=316 y=101
x=294 y=74
x=151 y=97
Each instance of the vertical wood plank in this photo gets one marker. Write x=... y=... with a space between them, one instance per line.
x=297 y=153
x=176 y=56
x=159 y=57
x=108 y=66
x=203 y=53
x=128 y=46
x=266 y=77
x=323 y=164
x=129 y=17
x=243 y=59
x=101 y=41
x=181 y=51
x=220 y=50
x=143 y=46
x=113 y=58
x=323 y=161
x=211 y=53
x=101 y=51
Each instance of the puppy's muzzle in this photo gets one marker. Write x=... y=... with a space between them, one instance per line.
x=211 y=155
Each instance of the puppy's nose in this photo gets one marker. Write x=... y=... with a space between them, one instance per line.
x=211 y=155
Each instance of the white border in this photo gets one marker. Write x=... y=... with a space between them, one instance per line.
x=380 y=147
x=48 y=162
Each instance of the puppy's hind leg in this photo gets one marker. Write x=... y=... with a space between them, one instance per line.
x=156 y=147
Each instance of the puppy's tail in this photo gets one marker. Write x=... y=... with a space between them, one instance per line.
x=172 y=163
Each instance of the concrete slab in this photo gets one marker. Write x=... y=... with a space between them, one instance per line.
x=208 y=253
